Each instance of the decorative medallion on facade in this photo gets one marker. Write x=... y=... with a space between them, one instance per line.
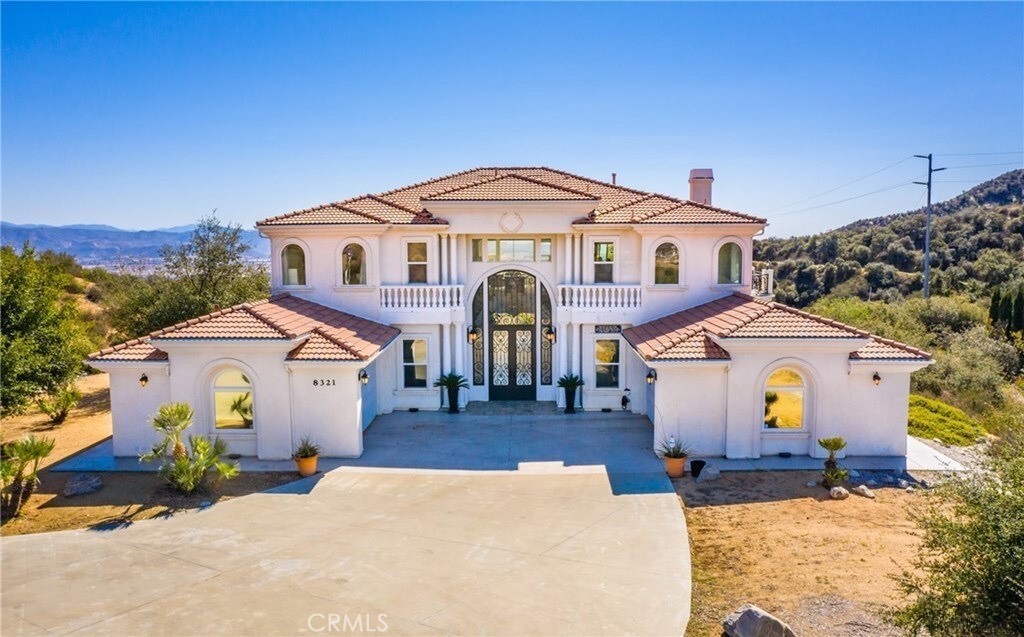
x=511 y=222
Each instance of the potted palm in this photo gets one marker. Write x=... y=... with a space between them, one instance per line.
x=570 y=383
x=453 y=383
x=305 y=456
x=674 y=454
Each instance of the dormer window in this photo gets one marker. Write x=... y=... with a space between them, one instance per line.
x=604 y=262
x=293 y=265
x=730 y=264
x=666 y=264
x=416 y=261
x=353 y=265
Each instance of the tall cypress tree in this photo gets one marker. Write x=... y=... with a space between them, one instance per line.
x=993 y=309
x=1006 y=311
x=1017 y=321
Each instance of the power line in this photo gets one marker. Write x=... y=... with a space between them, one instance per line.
x=1009 y=152
x=1011 y=163
x=833 y=203
x=849 y=183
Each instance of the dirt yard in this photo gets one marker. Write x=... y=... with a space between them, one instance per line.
x=125 y=497
x=821 y=565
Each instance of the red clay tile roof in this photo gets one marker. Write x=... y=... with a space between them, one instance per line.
x=686 y=335
x=333 y=335
x=612 y=203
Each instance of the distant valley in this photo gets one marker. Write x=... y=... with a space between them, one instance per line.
x=101 y=245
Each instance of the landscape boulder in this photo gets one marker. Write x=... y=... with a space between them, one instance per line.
x=864 y=491
x=838 y=493
x=82 y=483
x=750 y=621
x=710 y=472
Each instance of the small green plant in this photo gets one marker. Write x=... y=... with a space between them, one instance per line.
x=569 y=384
x=19 y=472
x=672 y=448
x=59 y=404
x=306 y=449
x=452 y=380
x=243 y=407
x=183 y=469
x=834 y=474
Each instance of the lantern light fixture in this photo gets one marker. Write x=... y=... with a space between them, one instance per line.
x=550 y=334
x=364 y=378
x=143 y=380
x=652 y=376
x=876 y=379
x=473 y=334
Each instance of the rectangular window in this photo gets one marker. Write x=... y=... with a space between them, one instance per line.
x=492 y=250
x=604 y=262
x=545 y=250
x=606 y=362
x=478 y=250
x=414 y=363
x=416 y=261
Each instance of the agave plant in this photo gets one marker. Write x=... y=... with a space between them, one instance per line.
x=19 y=472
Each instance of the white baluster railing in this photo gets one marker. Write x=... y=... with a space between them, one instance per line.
x=600 y=297
x=420 y=297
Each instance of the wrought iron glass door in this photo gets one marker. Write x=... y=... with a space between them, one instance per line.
x=512 y=322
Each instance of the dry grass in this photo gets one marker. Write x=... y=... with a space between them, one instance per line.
x=822 y=565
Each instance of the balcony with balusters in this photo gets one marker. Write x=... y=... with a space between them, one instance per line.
x=422 y=303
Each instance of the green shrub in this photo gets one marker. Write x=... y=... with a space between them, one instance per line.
x=967 y=579
x=184 y=470
x=59 y=404
x=929 y=418
x=19 y=472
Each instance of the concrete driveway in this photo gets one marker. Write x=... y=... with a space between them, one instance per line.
x=464 y=525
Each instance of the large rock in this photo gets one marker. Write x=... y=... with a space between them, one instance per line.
x=864 y=491
x=710 y=472
x=838 y=493
x=82 y=483
x=750 y=621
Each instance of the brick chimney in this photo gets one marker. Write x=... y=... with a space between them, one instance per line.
x=700 y=185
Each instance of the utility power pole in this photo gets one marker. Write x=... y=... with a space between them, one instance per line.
x=928 y=224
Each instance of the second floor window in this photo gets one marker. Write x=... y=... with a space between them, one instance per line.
x=604 y=262
x=730 y=262
x=353 y=265
x=293 y=266
x=666 y=264
x=416 y=261
x=522 y=250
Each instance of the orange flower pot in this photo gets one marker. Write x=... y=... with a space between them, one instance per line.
x=675 y=467
x=307 y=466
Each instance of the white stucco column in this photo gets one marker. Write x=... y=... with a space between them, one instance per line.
x=446 y=348
x=444 y=259
x=460 y=356
x=453 y=273
x=567 y=248
x=563 y=360
x=578 y=259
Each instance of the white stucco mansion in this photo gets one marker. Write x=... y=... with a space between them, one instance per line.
x=513 y=277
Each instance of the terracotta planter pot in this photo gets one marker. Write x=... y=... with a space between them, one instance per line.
x=307 y=466
x=675 y=467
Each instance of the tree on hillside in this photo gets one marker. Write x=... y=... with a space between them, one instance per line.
x=993 y=308
x=207 y=273
x=42 y=340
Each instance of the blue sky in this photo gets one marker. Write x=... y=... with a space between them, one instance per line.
x=150 y=115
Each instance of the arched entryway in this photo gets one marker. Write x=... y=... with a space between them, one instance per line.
x=514 y=309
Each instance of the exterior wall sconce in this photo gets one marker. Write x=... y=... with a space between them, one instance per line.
x=364 y=378
x=473 y=334
x=143 y=380
x=652 y=376
x=550 y=334
x=876 y=379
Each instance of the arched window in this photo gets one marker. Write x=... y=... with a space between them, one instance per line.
x=232 y=400
x=293 y=265
x=784 y=400
x=730 y=264
x=353 y=265
x=666 y=264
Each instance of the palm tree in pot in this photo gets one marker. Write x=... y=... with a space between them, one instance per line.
x=453 y=383
x=570 y=383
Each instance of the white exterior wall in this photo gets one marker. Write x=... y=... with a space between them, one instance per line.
x=132 y=406
x=876 y=416
x=330 y=413
x=690 y=404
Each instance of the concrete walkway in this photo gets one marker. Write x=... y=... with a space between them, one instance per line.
x=542 y=527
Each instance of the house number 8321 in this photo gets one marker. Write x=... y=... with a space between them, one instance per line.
x=323 y=382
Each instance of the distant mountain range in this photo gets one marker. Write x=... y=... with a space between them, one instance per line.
x=93 y=244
